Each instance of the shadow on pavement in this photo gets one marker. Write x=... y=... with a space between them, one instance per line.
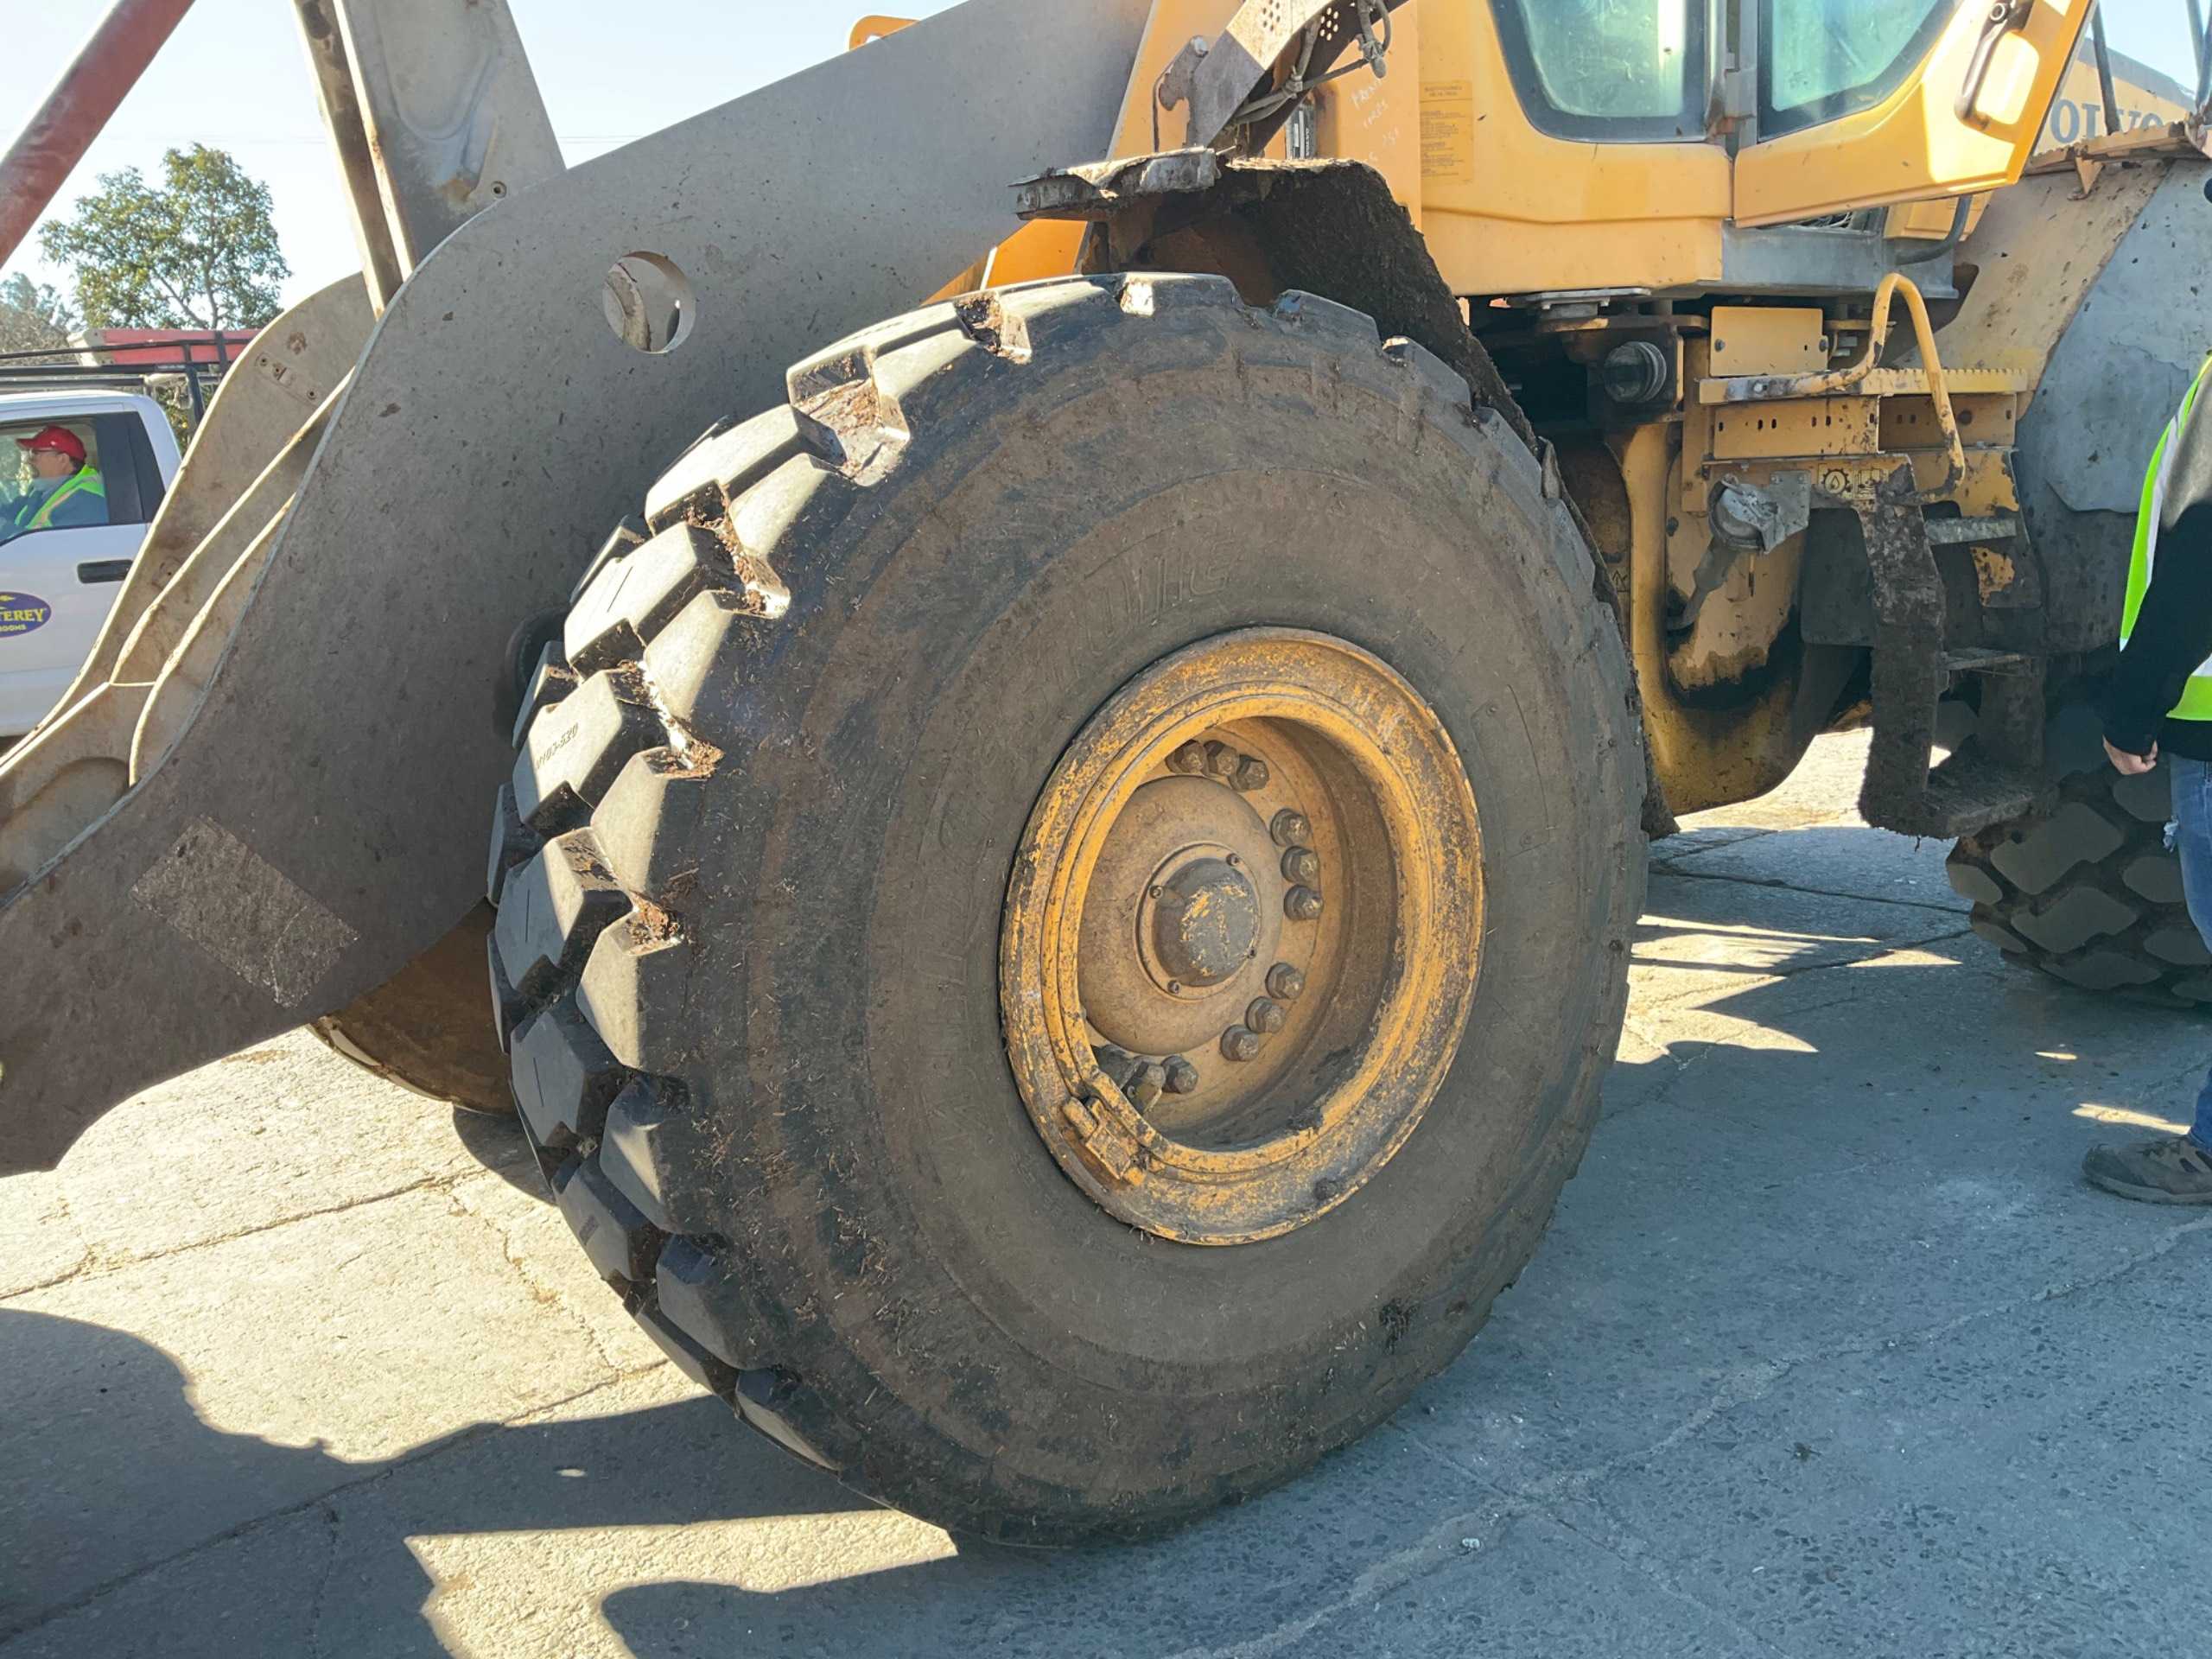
x=111 y=1470
x=497 y=1143
x=1801 y=1145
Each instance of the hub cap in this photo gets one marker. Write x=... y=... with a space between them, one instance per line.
x=1243 y=936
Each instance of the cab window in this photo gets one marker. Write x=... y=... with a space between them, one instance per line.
x=1612 y=71
x=1827 y=59
x=36 y=494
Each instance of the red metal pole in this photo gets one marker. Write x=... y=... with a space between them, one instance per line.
x=81 y=104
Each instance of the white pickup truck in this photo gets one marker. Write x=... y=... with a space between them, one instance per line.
x=59 y=578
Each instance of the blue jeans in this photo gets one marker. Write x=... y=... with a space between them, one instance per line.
x=2191 y=836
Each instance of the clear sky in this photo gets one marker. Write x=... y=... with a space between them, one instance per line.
x=234 y=75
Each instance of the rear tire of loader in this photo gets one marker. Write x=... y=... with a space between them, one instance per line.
x=753 y=867
x=2090 y=894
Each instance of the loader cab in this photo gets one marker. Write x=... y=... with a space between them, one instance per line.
x=1681 y=146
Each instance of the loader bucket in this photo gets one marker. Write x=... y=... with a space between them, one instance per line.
x=304 y=766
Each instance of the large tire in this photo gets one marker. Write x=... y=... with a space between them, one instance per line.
x=2089 y=894
x=753 y=860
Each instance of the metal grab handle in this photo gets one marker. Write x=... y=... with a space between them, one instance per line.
x=2006 y=18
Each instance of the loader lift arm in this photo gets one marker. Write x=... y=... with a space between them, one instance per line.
x=275 y=856
x=291 y=852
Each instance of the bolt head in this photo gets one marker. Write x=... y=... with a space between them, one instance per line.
x=1265 y=1017
x=1302 y=865
x=1145 y=1085
x=1182 y=1076
x=1251 y=776
x=1190 y=759
x=1222 y=761
x=1286 y=981
x=1302 y=905
x=1291 y=828
x=1240 y=1043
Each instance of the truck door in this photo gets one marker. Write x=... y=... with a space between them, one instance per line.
x=1863 y=103
x=58 y=582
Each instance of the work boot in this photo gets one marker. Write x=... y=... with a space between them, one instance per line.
x=2172 y=1169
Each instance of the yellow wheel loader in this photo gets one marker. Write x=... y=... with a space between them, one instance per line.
x=1072 y=759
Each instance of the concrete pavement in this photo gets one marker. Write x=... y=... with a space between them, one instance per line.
x=1827 y=1352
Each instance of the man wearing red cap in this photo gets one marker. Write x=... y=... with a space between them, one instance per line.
x=65 y=490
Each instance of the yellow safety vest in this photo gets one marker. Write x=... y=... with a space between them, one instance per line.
x=83 y=481
x=2196 y=696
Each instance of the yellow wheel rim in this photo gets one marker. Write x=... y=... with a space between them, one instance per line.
x=1242 y=936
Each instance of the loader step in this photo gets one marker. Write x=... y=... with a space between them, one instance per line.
x=1969 y=792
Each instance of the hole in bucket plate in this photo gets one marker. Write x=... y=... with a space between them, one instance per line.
x=648 y=302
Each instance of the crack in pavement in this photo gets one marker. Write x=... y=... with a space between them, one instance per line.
x=458 y=1440
x=99 y=1264
x=1442 y=1543
x=547 y=1295
x=1653 y=1001
x=1776 y=882
x=330 y=1522
x=1750 y=1383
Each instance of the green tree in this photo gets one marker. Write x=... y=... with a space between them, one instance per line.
x=199 y=252
x=32 y=317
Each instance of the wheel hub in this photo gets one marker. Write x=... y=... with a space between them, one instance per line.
x=1242 y=936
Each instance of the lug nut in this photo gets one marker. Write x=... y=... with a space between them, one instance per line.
x=1291 y=829
x=1222 y=761
x=1303 y=866
x=1145 y=1085
x=1182 y=1076
x=1240 y=1043
x=1286 y=982
x=1265 y=1017
x=1252 y=775
x=1116 y=1063
x=1190 y=759
x=1302 y=905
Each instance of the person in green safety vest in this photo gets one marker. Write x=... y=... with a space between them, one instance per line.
x=2159 y=706
x=66 y=490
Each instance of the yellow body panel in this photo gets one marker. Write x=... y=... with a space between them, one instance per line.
x=1510 y=210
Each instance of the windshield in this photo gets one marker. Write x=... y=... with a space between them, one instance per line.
x=1826 y=58
x=1618 y=71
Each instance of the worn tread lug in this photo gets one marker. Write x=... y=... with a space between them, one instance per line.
x=513 y=844
x=649 y=824
x=709 y=1305
x=636 y=991
x=563 y=1077
x=551 y=681
x=621 y=1243
x=556 y=907
x=710 y=1373
x=575 y=749
x=653 y=1149
x=717 y=470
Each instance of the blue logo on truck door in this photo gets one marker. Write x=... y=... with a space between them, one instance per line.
x=23 y=613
